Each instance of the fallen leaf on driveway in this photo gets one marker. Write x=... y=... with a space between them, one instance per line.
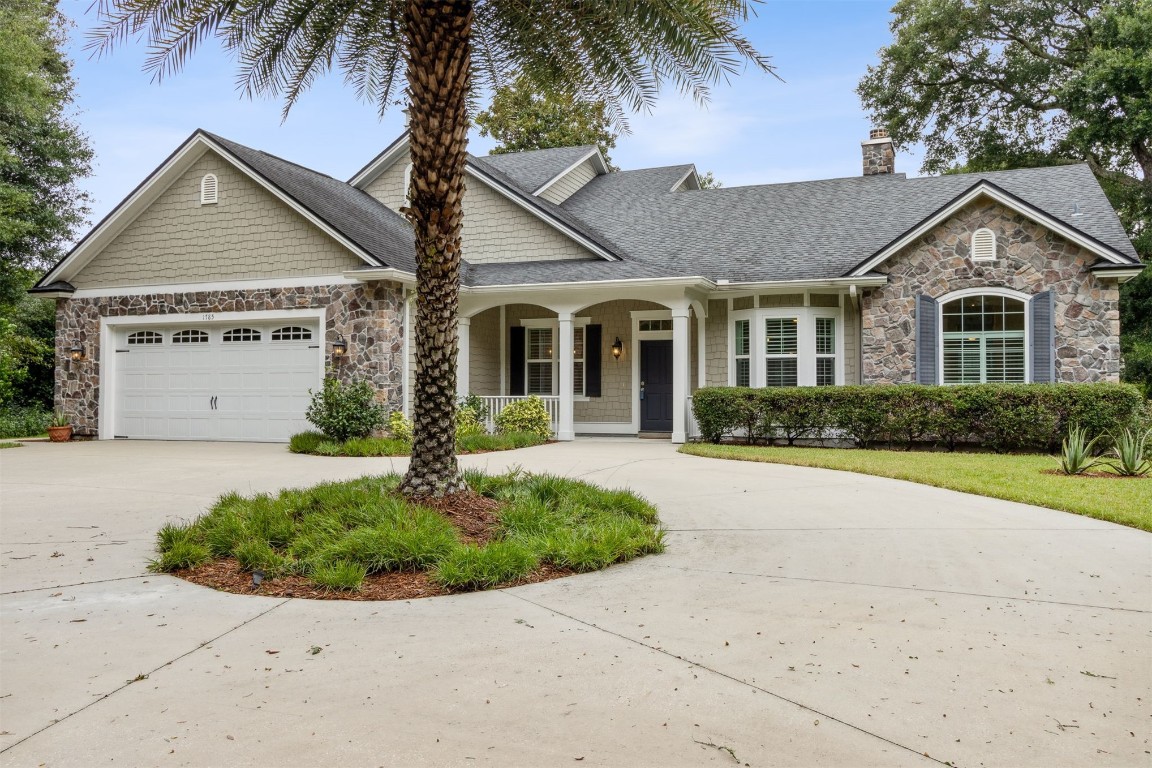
x=270 y=651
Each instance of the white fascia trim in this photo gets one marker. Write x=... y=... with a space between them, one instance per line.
x=691 y=174
x=383 y=273
x=544 y=217
x=691 y=282
x=229 y=285
x=583 y=159
x=986 y=189
x=190 y=318
x=784 y=285
x=382 y=162
x=53 y=294
x=1123 y=275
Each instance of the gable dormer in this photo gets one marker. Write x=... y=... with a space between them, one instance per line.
x=570 y=181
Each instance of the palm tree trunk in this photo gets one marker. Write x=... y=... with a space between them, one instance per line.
x=438 y=35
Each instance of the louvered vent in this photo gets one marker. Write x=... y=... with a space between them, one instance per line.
x=983 y=245
x=208 y=190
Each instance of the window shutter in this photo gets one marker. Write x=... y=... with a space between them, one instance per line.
x=592 y=350
x=516 y=360
x=927 y=340
x=1043 y=346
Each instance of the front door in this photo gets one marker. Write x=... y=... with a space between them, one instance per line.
x=656 y=386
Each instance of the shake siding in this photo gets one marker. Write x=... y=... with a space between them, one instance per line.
x=247 y=235
x=388 y=187
x=484 y=353
x=716 y=343
x=615 y=403
x=570 y=183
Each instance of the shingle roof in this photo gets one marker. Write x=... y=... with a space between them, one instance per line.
x=816 y=229
x=531 y=170
x=384 y=234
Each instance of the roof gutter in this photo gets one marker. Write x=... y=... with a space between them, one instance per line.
x=864 y=281
x=389 y=274
x=656 y=282
x=1119 y=272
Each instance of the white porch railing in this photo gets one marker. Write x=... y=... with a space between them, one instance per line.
x=692 y=428
x=497 y=403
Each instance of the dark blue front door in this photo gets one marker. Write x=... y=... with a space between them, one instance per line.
x=656 y=386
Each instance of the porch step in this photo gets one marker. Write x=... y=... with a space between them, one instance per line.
x=654 y=435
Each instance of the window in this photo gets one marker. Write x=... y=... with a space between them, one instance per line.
x=743 y=353
x=983 y=245
x=291 y=333
x=825 y=351
x=983 y=340
x=190 y=337
x=656 y=325
x=780 y=348
x=799 y=346
x=539 y=361
x=241 y=334
x=145 y=337
x=209 y=190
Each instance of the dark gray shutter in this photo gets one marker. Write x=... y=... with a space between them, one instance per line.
x=927 y=340
x=516 y=360
x=592 y=341
x=1043 y=343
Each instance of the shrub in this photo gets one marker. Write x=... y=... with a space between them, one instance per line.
x=399 y=427
x=18 y=421
x=1003 y=417
x=470 y=416
x=529 y=415
x=343 y=411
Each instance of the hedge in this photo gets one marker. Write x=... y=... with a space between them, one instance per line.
x=1001 y=417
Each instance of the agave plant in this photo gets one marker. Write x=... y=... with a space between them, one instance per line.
x=1130 y=452
x=1077 y=454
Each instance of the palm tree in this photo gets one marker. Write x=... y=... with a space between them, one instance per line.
x=621 y=52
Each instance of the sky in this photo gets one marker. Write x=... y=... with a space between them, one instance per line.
x=756 y=130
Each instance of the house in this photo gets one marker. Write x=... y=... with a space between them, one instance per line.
x=214 y=297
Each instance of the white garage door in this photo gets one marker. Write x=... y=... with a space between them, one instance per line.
x=240 y=381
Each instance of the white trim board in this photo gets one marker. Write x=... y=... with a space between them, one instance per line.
x=990 y=190
x=230 y=285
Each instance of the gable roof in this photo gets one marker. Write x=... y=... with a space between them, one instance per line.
x=369 y=229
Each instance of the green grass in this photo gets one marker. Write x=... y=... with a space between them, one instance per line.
x=9 y=445
x=1012 y=477
x=317 y=444
x=338 y=533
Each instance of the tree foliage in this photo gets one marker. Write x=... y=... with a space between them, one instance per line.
x=522 y=117
x=997 y=84
x=42 y=151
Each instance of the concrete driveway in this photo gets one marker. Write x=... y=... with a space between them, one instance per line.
x=799 y=617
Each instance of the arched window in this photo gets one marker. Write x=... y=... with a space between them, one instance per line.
x=983 y=245
x=241 y=334
x=190 y=337
x=145 y=337
x=983 y=339
x=208 y=189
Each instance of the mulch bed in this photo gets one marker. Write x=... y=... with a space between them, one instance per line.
x=475 y=516
x=227 y=576
x=1105 y=475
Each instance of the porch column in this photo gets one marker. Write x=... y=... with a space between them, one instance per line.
x=463 y=331
x=565 y=430
x=680 y=365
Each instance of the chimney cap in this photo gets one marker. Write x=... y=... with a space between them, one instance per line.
x=878 y=133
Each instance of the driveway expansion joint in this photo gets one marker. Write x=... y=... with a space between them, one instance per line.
x=144 y=675
x=907 y=589
x=726 y=676
x=78 y=584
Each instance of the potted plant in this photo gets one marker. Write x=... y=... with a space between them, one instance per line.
x=60 y=427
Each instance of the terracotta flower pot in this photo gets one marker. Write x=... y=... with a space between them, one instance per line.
x=60 y=434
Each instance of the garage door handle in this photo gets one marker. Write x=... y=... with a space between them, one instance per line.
x=212 y=402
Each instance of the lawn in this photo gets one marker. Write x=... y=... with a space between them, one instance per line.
x=1013 y=477
x=345 y=536
x=317 y=444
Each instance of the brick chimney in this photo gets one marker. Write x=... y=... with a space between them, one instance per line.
x=879 y=154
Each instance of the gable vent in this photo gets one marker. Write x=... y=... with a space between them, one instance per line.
x=208 y=190
x=983 y=245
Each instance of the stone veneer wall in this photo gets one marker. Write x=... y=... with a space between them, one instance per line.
x=368 y=316
x=1030 y=259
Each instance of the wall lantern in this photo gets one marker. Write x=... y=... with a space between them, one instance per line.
x=617 y=348
x=76 y=353
x=339 y=348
